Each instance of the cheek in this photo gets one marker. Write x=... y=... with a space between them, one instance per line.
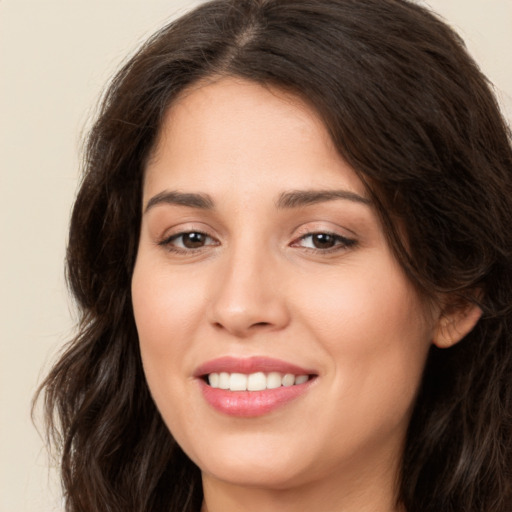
x=166 y=308
x=373 y=328
x=368 y=304
x=167 y=312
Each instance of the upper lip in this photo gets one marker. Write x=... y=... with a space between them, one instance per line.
x=249 y=365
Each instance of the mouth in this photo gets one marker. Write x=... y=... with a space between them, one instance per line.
x=257 y=381
x=252 y=386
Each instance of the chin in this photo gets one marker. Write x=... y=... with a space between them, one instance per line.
x=250 y=474
x=261 y=466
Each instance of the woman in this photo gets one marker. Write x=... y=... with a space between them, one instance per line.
x=291 y=251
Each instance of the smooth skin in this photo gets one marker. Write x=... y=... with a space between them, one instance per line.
x=245 y=267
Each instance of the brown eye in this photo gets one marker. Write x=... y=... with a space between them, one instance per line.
x=188 y=240
x=323 y=240
x=193 y=240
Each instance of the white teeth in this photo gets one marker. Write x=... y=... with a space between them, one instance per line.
x=288 y=380
x=224 y=380
x=255 y=381
x=238 y=382
x=213 y=380
x=274 y=380
x=300 y=379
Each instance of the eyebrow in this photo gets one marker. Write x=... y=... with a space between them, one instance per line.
x=287 y=200
x=298 y=198
x=201 y=201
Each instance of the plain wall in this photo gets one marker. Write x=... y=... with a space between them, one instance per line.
x=55 y=57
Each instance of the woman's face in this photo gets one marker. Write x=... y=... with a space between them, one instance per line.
x=262 y=264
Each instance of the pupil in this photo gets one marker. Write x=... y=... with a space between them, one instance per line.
x=193 y=240
x=323 y=241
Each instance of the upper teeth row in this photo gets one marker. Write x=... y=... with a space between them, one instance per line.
x=254 y=381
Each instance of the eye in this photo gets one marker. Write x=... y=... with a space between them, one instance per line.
x=324 y=241
x=187 y=241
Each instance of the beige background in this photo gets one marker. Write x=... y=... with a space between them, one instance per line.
x=55 y=56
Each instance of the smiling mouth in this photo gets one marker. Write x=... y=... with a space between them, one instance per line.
x=254 y=386
x=258 y=381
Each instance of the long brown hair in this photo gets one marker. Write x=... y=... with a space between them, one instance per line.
x=411 y=112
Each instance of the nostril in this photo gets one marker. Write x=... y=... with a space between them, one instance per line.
x=260 y=324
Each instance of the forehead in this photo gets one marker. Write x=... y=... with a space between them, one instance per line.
x=243 y=132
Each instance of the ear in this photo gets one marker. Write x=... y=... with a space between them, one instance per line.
x=455 y=323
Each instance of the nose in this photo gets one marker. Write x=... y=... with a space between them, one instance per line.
x=248 y=296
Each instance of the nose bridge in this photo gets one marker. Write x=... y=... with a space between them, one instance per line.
x=247 y=296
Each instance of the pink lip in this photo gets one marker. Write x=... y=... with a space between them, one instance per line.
x=249 y=365
x=249 y=404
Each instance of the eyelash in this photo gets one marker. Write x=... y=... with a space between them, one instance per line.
x=168 y=242
x=341 y=242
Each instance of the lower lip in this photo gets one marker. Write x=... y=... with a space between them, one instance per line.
x=249 y=404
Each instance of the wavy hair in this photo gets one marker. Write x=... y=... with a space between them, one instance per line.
x=410 y=111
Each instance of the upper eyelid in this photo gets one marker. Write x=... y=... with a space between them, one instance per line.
x=308 y=229
x=331 y=233
x=168 y=243
x=178 y=234
x=169 y=225
x=297 y=232
x=187 y=227
x=340 y=238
